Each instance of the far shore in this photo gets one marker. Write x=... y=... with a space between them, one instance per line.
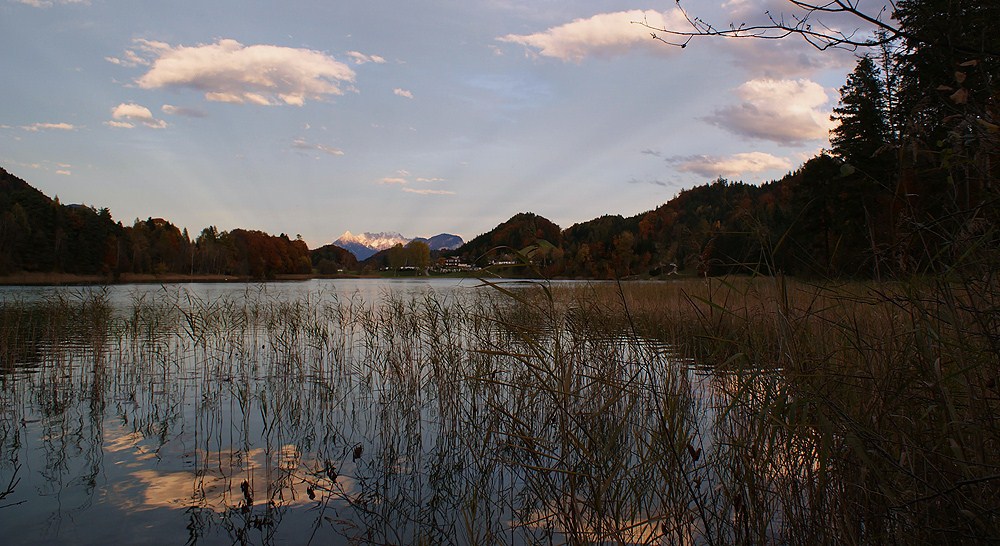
x=70 y=279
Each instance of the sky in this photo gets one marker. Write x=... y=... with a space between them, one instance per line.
x=317 y=117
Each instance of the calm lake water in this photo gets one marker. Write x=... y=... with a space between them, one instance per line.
x=323 y=412
x=370 y=290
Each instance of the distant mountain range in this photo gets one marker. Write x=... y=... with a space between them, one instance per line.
x=366 y=245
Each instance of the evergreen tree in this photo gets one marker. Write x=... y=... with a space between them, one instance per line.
x=949 y=97
x=890 y=63
x=868 y=139
x=864 y=129
x=952 y=56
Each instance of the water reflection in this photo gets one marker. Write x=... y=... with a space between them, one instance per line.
x=339 y=413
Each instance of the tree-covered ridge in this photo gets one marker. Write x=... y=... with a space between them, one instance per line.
x=330 y=259
x=520 y=231
x=38 y=234
x=711 y=229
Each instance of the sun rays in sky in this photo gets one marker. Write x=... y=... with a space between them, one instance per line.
x=301 y=117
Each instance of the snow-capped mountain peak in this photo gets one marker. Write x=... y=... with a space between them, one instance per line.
x=379 y=241
x=367 y=244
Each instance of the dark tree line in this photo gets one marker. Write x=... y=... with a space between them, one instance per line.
x=331 y=259
x=249 y=253
x=38 y=234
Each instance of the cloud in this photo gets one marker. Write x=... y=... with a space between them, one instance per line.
x=62 y=169
x=35 y=127
x=738 y=7
x=652 y=182
x=27 y=165
x=733 y=165
x=402 y=93
x=428 y=192
x=181 y=111
x=763 y=13
x=402 y=180
x=603 y=35
x=131 y=58
x=788 y=112
x=653 y=153
x=788 y=57
x=148 y=50
x=785 y=58
x=361 y=58
x=754 y=12
x=228 y=71
x=125 y=114
x=302 y=144
x=50 y=3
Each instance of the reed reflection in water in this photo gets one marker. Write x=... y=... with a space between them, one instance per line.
x=441 y=414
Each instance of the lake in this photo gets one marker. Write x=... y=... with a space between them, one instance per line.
x=330 y=411
x=697 y=411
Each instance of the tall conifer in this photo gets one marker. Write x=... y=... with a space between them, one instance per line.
x=864 y=127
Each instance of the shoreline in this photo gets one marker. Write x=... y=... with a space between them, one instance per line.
x=72 y=279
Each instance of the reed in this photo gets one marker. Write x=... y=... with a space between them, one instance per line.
x=720 y=411
x=880 y=397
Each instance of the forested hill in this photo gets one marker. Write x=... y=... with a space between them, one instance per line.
x=826 y=219
x=38 y=234
x=816 y=221
x=520 y=231
x=704 y=230
x=330 y=259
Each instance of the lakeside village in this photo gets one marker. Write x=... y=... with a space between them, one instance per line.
x=448 y=265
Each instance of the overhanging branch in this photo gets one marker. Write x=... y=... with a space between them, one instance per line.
x=807 y=24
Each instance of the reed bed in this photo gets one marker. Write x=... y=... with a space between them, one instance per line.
x=858 y=412
x=722 y=411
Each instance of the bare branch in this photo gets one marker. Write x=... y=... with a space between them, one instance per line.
x=806 y=25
